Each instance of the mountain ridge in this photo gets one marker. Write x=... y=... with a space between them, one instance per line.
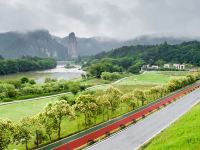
x=43 y=44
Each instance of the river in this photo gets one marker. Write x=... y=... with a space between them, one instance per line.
x=60 y=72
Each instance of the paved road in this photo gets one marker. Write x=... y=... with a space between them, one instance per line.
x=136 y=135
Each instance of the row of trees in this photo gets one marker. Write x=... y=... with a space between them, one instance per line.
x=38 y=128
x=26 y=88
x=110 y=76
x=186 y=52
x=24 y=64
x=46 y=125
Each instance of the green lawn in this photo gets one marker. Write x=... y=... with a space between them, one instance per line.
x=144 y=81
x=184 y=134
x=18 y=110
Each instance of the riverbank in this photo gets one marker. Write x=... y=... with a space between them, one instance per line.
x=60 y=72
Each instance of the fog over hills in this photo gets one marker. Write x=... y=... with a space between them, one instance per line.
x=41 y=43
x=37 y=43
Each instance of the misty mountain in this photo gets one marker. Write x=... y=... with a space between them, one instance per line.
x=37 y=43
x=95 y=45
x=42 y=44
x=91 y=46
x=155 y=40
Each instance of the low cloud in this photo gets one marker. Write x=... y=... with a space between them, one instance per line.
x=120 y=19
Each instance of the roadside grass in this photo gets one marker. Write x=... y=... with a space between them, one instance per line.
x=184 y=134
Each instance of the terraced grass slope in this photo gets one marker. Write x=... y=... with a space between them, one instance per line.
x=184 y=134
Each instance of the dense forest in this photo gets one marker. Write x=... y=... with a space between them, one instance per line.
x=24 y=64
x=131 y=58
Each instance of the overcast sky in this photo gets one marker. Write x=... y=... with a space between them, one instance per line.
x=113 y=18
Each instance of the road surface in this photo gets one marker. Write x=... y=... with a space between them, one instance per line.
x=136 y=135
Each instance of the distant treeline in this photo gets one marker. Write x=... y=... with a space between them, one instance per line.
x=186 y=52
x=131 y=58
x=24 y=64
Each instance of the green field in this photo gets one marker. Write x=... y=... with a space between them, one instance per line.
x=144 y=81
x=18 y=110
x=184 y=134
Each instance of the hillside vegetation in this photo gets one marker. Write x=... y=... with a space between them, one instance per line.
x=183 y=134
x=131 y=58
x=25 y=64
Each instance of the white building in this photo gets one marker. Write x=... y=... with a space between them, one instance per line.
x=148 y=67
x=154 y=67
x=179 y=66
x=166 y=66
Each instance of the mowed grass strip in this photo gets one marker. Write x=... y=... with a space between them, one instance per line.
x=16 y=111
x=147 y=80
x=184 y=134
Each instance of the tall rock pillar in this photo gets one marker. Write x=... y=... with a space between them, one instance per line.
x=72 y=46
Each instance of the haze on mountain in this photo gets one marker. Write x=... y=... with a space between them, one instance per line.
x=99 y=25
x=41 y=43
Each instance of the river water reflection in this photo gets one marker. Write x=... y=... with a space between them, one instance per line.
x=60 y=72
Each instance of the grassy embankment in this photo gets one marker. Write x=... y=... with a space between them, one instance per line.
x=184 y=134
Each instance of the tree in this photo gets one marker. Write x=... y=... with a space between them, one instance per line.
x=6 y=132
x=139 y=95
x=110 y=76
x=74 y=88
x=37 y=129
x=23 y=132
x=8 y=90
x=135 y=68
x=24 y=80
x=129 y=99
x=97 y=68
x=48 y=123
x=67 y=98
x=113 y=95
x=103 y=105
x=57 y=112
x=160 y=62
x=86 y=104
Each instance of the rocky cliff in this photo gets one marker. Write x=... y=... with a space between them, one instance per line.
x=37 y=43
x=72 y=46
